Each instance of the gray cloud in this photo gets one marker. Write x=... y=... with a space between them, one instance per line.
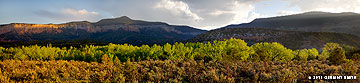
x=204 y=14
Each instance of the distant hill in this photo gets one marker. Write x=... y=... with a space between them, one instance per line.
x=290 y=39
x=310 y=22
x=116 y=30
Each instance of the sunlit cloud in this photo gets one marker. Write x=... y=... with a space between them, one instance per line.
x=81 y=12
x=178 y=8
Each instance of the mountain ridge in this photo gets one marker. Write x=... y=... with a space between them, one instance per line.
x=309 y=22
x=290 y=39
x=115 y=30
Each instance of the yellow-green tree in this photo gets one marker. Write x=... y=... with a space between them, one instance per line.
x=327 y=49
x=337 y=56
x=237 y=49
x=307 y=54
x=271 y=52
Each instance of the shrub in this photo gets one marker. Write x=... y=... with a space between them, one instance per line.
x=172 y=71
x=355 y=55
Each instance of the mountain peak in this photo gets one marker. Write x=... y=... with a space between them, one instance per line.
x=119 y=20
x=123 y=18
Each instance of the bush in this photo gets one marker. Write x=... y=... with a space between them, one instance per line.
x=355 y=55
x=188 y=71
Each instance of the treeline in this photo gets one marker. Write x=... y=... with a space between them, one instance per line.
x=227 y=50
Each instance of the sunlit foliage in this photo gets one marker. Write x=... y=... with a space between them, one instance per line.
x=226 y=50
x=272 y=52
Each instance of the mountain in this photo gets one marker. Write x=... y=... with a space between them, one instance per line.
x=310 y=22
x=116 y=30
x=290 y=39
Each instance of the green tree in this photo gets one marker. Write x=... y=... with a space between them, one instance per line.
x=337 y=56
x=272 y=52
x=168 y=50
x=312 y=54
x=307 y=54
x=327 y=49
x=237 y=49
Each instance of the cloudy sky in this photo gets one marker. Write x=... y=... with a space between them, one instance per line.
x=202 y=14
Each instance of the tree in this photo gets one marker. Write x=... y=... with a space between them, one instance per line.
x=272 y=52
x=302 y=55
x=237 y=49
x=312 y=54
x=337 y=56
x=307 y=54
x=327 y=49
x=168 y=49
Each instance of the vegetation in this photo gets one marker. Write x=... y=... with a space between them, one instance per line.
x=218 y=50
x=306 y=54
x=337 y=56
x=172 y=71
x=272 y=52
x=227 y=50
x=217 y=61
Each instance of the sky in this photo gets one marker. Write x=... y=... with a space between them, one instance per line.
x=201 y=14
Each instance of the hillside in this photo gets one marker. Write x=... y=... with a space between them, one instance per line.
x=310 y=22
x=116 y=30
x=290 y=39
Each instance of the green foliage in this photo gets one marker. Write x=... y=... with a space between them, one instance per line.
x=306 y=54
x=232 y=49
x=312 y=53
x=238 y=50
x=327 y=49
x=117 y=62
x=337 y=56
x=355 y=56
x=272 y=52
x=178 y=62
x=226 y=50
